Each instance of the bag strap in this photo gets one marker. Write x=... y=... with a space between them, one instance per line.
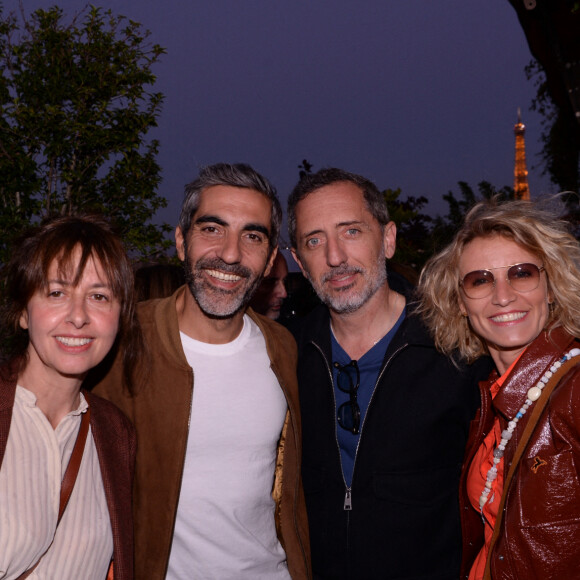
x=74 y=464
x=69 y=479
x=526 y=435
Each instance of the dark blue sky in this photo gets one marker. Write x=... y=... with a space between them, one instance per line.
x=414 y=94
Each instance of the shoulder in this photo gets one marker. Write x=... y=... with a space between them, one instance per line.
x=414 y=327
x=275 y=335
x=565 y=400
x=160 y=325
x=271 y=328
x=571 y=378
x=149 y=311
x=414 y=332
x=311 y=326
x=105 y=413
x=8 y=379
x=114 y=436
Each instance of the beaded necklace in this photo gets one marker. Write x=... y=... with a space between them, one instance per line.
x=532 y=396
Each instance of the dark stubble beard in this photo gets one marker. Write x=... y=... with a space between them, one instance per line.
x=218 y=302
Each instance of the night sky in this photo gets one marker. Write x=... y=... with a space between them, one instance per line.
x=415 y=94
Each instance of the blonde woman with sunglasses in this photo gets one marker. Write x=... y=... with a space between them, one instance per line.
x=508 y=286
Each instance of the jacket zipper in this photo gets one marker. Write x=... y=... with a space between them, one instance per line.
x=347 y=496
x=348 y=490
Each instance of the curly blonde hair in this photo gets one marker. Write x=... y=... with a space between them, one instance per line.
x=535 y=227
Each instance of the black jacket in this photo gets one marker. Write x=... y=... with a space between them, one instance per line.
x=404 y=521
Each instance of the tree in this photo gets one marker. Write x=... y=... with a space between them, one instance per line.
x=445 y=227
x=305 y=168
x=413 y=228
x=76 y=106
x=560 y=136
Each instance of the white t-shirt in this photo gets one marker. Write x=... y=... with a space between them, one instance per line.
x=225 y=518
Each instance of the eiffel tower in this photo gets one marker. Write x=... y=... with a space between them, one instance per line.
x=521 y=187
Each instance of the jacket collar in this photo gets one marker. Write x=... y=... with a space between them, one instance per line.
x=267 y=329
x=315 y=328
x=164 y=317
x=167 y=325
x=537 y=358
x=8 y=380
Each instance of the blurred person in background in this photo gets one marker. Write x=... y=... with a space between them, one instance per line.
x=158 y=280
x=271 y=292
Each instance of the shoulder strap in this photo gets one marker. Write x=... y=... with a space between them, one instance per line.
x=69 y=479
x=526 y=434
x=72 y=469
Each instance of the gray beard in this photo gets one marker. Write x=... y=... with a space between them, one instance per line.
x=217 y=302
x=351 y=302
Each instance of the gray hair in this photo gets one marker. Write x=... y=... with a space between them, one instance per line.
x=234 y=175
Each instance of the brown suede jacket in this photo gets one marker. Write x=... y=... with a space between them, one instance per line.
x=538 y=536
x=160 y=411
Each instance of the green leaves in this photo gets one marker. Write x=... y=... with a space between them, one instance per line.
x=76 y=105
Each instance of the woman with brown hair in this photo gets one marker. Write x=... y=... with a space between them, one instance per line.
x=509 y=286
x=66 y=456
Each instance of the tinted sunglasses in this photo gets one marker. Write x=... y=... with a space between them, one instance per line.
x=523 y=277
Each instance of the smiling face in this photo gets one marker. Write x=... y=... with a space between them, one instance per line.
x=341 y=247
x=70 y=328
x=506 y=320
x=227 y=249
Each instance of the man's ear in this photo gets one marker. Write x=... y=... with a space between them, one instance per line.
x=297 y=260
x=270 y=262
x=390 y=239
x=179 y=243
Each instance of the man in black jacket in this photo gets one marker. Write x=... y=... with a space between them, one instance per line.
x=385 y=417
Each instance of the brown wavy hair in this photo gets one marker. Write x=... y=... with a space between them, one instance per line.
x=537 y=228
x=58 y=239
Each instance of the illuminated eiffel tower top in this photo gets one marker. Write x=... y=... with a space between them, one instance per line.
x=521 y=187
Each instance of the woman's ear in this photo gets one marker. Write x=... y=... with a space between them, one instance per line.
x=23 y=321
x=551 y=297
